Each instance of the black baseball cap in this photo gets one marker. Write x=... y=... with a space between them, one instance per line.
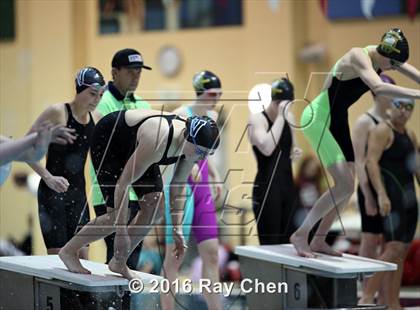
x=129 y=58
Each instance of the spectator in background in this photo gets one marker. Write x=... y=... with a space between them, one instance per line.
x=390 y=148
x=411 y=274
x=150 y=257
x=127 y=67
x=273 y=195
x=371 y=239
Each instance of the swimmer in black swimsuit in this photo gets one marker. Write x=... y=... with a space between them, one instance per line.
x=391 y=146
x=61 y=193
x=371 y=244
x=324 y=123
x=127 y=147
x=274 y=194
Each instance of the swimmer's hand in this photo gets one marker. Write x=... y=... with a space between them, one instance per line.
x=281 y=108
x=63 y=135
x=56 y=183
x=384 y=204
x=218 y=191
x=180 y=244
x=296 y=153
x=43 y=139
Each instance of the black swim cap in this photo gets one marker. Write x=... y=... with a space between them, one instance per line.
x=394 y=45
x=202 y=131
x=88 y=76
x=282 y=89
x=205 y=80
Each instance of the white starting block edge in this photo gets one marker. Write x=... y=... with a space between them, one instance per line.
x=285 y=254
x=50 y=267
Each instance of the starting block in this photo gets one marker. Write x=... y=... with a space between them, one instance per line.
x=312 y=283
x=43 y=282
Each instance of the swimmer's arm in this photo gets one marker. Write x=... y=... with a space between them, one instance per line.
x=54 y=114
x=409 y=71
x=18 y=150
x=257 y=132
x=378 y=140
x=295 y=151
x=177 y=192
x=214 y=174
x=40 y=170
x=215 y=180
x=141 y=159
x=56 y=183
x=363 y=66
x=360 y=139
x=57 y=115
